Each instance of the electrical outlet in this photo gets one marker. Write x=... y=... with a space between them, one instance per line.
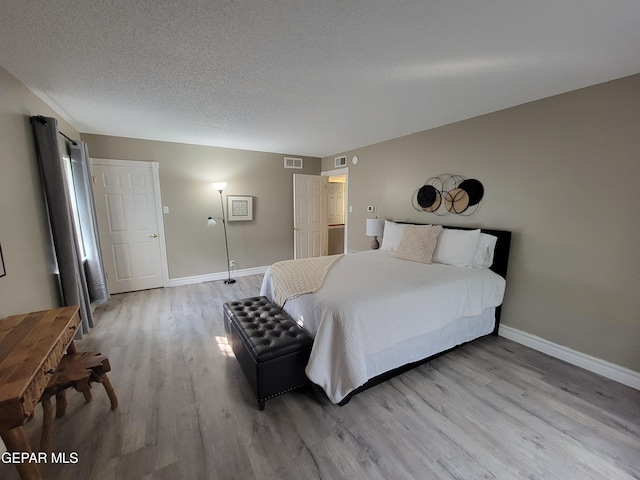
x=232 y=263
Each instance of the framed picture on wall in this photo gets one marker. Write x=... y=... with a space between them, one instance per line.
x=240 y=208
x=3 y=272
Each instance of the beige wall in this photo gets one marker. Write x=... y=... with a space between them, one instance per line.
x=30 y=283
x=563 y=174
x=186 y=173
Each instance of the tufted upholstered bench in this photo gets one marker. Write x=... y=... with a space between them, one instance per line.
x=272 y=349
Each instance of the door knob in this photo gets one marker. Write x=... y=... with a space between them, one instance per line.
x=153 y=235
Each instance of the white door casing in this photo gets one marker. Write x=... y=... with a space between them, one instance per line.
x=128 y=207
x=309 y=216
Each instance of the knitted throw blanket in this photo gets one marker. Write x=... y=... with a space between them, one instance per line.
x=292 y=278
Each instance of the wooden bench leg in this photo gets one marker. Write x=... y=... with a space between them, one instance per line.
x=84 y=386
x=106 y=383
x=45 y=438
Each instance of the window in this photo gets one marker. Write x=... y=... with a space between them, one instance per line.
x=74 y=204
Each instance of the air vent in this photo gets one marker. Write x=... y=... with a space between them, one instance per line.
x=341 y=161
x=290 y=162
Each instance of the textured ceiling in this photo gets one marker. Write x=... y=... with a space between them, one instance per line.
x=307 y=77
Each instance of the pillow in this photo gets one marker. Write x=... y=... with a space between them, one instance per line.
x=391 y=235
x=457 y=247
x=418 y=243
x=484 y=253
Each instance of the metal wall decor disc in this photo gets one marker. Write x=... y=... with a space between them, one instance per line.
x=427 y=196
x=435 y=205
x=474 y=189
x=456 y=200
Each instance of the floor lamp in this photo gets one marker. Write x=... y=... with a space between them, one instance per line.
x=220 y=186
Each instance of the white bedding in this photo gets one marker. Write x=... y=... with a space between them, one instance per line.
x=371 y=302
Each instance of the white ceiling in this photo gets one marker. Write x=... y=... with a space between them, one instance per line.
x=307 y=77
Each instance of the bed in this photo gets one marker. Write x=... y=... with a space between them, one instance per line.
x=376 y=315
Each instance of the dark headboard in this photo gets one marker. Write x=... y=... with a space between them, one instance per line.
x=503 y=246
x=501 y=253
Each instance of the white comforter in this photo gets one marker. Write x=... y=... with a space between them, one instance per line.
x=371 y=301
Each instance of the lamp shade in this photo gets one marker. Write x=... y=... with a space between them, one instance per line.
x=219 y=185
x=375 y=227
x=211 y=222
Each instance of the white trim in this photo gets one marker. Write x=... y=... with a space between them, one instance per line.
x=601 y=367
x=337 y=171
x=120 y=163
x=210 y=277
x=155 y=171
x=155 y=175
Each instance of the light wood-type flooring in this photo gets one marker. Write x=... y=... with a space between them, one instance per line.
x=491 y=409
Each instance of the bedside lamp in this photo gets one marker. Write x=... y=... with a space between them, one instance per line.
x=375 y=227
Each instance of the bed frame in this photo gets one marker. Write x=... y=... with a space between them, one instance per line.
x=500 y=265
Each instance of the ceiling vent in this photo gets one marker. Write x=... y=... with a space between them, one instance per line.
x=290 y=162
x=341 y=161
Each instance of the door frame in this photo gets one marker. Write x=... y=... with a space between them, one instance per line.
x=342 y=171
x=155 y=175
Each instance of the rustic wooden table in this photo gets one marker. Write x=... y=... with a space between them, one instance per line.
x=31 y=347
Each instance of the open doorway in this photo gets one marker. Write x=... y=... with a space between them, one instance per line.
x=337 y=218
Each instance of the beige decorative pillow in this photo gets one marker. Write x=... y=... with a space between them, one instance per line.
x=418 y=243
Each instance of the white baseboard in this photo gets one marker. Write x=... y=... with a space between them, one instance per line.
x=177 y=282
x=601 y=367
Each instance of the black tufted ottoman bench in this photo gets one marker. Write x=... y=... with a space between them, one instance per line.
x=271 y=348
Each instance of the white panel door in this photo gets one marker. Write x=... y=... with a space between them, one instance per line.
x=309 y=216
x=335 y=203
x=128 y=224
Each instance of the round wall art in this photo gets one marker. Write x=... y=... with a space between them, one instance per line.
x=429 y=198
x=453 y=192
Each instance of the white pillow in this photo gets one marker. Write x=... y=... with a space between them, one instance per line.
x=484 y=253
x=391 y=235
x=457 y=247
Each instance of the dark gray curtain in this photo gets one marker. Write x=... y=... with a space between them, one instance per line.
x=71 y=268
x=94 y=269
